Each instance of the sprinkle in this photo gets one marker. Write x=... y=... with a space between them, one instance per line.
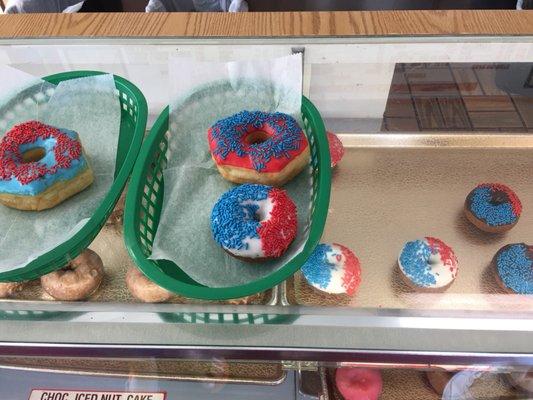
x=285 y=136
x=317 y=268
x=278 y=232
x=515 y=267
x=495 y=204
x=11 y=162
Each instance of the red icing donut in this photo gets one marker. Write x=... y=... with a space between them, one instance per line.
x=258 y=147
x=359 y=383
x=336 y=149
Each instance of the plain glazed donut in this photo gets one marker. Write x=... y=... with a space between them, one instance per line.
x=76 y=281
x=8 y=289
x=258 y=147
x=41 y=166
x=144 y=289
x=254 y=222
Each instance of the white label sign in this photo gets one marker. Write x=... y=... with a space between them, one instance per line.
x=55 y=394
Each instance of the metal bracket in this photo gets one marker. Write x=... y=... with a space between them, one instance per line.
x=300 y=365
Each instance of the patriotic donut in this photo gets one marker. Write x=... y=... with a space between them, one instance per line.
x=493 y=207
x=41 y=166
x=334 y=269
x=428 y=264
x=254 y=222
x=514 y=268
x=258 y=147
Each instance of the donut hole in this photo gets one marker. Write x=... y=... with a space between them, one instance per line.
x=434 y=259
x=33 y=155
x=499 y=198
x=260 y=215
x=256 y=137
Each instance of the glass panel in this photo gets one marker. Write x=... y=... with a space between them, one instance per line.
x=423 y=121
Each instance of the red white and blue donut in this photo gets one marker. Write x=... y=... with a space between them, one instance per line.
x=258 y=147
x=254 y=221
x=493 y=207
x=334 y=269
x=40 y=166
x=428 y=264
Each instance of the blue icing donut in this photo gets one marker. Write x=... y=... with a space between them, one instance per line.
x=254 y=221
x=62 y=158
x=514 y=265
x=493 y=206
x=428 y=263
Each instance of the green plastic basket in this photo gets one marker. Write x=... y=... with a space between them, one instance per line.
x=134 y=113
x=145 y=198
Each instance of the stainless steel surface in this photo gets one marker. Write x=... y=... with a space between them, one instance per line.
x=390 y=189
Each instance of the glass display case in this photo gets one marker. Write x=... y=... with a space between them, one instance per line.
x=423 y=120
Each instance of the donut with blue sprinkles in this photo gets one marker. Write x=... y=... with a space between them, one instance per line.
x=334 y=269
x=428 y=264
x=493 y=207
x=258 y=147
x=254 y=222
x=514 y=268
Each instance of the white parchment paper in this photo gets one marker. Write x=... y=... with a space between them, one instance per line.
x=88 y=106
x=205 y=93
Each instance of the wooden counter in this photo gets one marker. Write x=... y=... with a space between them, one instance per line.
x=310 y=24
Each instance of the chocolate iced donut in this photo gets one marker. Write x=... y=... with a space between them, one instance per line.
x=77 y=280
x=8 y=289
x=144 y=289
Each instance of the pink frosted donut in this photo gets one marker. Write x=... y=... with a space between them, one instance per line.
x=359 y=383
x=336 y=149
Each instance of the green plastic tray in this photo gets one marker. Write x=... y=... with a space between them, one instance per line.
x=134 y=113
x=145 y=198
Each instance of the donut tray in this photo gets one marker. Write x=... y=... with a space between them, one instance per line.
x=399 y=384
x=109 y=245
x=392 y=188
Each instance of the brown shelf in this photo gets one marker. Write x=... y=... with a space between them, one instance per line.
x=269 y=24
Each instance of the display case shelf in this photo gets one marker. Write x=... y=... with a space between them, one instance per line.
x=403 y=105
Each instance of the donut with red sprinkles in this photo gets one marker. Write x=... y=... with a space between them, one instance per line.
x=34 y=156
x=254 y=221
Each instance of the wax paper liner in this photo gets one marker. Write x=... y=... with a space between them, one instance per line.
x=208 y=92
x=88 y=106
